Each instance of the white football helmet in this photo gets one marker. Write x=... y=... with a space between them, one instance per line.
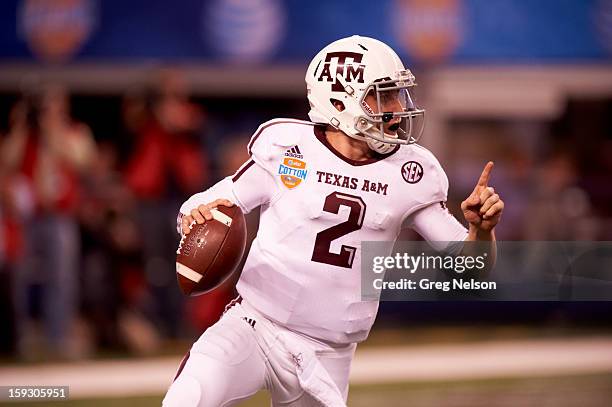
x=348 y=70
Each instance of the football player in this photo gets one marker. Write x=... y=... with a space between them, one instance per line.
x=353 y=173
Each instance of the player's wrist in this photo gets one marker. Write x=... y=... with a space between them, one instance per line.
x=475 y=232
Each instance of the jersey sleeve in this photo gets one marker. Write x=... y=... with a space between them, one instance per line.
x=250 y=187
x=435 y=181
x=256 y=182
x=428 y=215
x=438 y=227
x=269 y=143
x=426 y=182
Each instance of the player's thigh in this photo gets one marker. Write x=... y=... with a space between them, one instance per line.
x=337 y=364
x=224 y=366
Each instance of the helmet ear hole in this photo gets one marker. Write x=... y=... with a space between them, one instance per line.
x=337 y=104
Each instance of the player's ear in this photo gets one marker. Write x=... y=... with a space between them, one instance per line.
x=338 y=104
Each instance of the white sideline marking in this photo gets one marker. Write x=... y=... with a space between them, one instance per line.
x=490 y=360
x=507 y=359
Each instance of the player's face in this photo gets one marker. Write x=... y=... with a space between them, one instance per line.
x=390 y=102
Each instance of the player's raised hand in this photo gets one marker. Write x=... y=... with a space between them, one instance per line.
x=483 y=208
x=202 y=213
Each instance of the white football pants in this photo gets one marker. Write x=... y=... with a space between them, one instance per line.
x=245 y=352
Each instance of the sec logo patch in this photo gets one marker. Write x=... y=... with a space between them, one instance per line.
x=412 y=172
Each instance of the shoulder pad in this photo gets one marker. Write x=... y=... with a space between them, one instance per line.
x=273 y=138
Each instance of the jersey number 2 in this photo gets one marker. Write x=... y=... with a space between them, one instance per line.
x=322 y=253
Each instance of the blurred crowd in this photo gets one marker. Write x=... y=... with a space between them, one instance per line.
x=88 y=227
x=88 y=224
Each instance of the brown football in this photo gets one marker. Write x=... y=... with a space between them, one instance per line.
x=210 y=253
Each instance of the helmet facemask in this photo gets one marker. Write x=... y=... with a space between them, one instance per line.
x=394 y=102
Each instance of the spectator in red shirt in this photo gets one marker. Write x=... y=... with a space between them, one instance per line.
x=168 y=164
x=49 y=151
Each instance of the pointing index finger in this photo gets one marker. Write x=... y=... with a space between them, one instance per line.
x=483 y=181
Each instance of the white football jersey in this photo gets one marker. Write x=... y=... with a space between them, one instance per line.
x=317 y=206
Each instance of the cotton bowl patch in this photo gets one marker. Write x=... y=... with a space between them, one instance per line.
x=292 y=172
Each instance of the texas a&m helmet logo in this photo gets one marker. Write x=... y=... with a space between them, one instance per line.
x=412 y=172
x=292 y=170
x=348 y=65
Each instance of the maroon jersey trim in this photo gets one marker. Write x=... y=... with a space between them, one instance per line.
x=237 y=300
x=242 y=170
x=182 y=365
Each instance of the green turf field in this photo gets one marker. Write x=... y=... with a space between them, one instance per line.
x=566 y=391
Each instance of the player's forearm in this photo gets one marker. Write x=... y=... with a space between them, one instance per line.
x=477 y=234
x=489 y=245
x=221 y=190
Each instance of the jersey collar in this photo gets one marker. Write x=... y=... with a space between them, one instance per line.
x=319 y=132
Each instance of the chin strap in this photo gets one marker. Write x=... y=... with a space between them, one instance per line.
x=362 y=127
x=379 y=146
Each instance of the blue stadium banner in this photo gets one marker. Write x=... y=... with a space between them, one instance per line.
x=291 y=31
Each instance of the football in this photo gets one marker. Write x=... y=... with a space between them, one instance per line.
x=211 y=252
